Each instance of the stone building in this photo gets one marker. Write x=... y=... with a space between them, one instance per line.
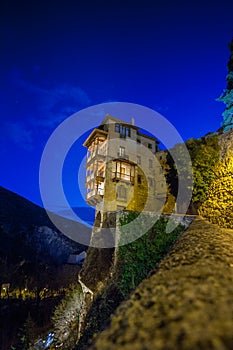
x=122 y=170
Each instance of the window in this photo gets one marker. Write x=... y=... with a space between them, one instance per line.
x=150 y=164
x=127 y=132
x=121 y=192
x=138 y=160
x=121 y=151
x=117 y=128
x=123 y=171
x=149 y=145
x=151 y=182
x=138 y=141
x=139 y=179
x=89 y=172
x=123 y=130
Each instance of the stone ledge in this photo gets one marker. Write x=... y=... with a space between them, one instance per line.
x=187 y=301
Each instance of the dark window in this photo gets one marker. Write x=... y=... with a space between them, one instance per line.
x=127 y=132
x=138 y=141
x=124 y=131
x=117 y=127
x=139 y=179
x=151 y=182
x=149 y=145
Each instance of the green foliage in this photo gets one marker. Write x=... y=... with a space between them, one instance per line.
x=135 y=261
x=204 y=160
x=204 y=155
x=138 y=258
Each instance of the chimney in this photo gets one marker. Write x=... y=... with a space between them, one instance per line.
x=132 y=121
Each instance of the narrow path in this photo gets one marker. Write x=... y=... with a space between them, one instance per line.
x=186 y=304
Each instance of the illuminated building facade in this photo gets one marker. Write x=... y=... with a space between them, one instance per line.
x=122 y=171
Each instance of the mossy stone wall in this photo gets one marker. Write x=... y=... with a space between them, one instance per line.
x=218 y=208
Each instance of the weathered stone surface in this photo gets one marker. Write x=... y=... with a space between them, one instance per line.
x=186 y=303
x=219 y=206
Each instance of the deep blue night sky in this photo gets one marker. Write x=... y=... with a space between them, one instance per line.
x=58 y=57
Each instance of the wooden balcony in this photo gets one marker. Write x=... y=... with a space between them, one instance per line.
x=117 y=176
x=95 y=196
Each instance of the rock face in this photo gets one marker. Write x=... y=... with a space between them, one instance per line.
x=26 y=230
x=187 y=302
x=219 y=206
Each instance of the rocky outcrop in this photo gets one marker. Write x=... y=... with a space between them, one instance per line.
x=186 y=303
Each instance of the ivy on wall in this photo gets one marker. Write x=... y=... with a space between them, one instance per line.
x=204 y=154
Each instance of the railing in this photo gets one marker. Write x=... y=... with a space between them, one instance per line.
x=95 y=174
x=97 y=150
x=95 y=192
x=122 y=156
x=90 y=176
x=102 y=149
x=122 y=176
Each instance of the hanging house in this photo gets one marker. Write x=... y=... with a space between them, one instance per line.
x=122 y=171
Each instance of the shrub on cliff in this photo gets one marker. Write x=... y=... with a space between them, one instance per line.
x=138 y=258
x=204 y=155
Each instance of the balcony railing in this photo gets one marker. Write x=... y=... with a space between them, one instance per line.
x=98 y=175
x=98 y=150
x=95 y=195
x=121 y=176
x=122 y=156
x=92 y=193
